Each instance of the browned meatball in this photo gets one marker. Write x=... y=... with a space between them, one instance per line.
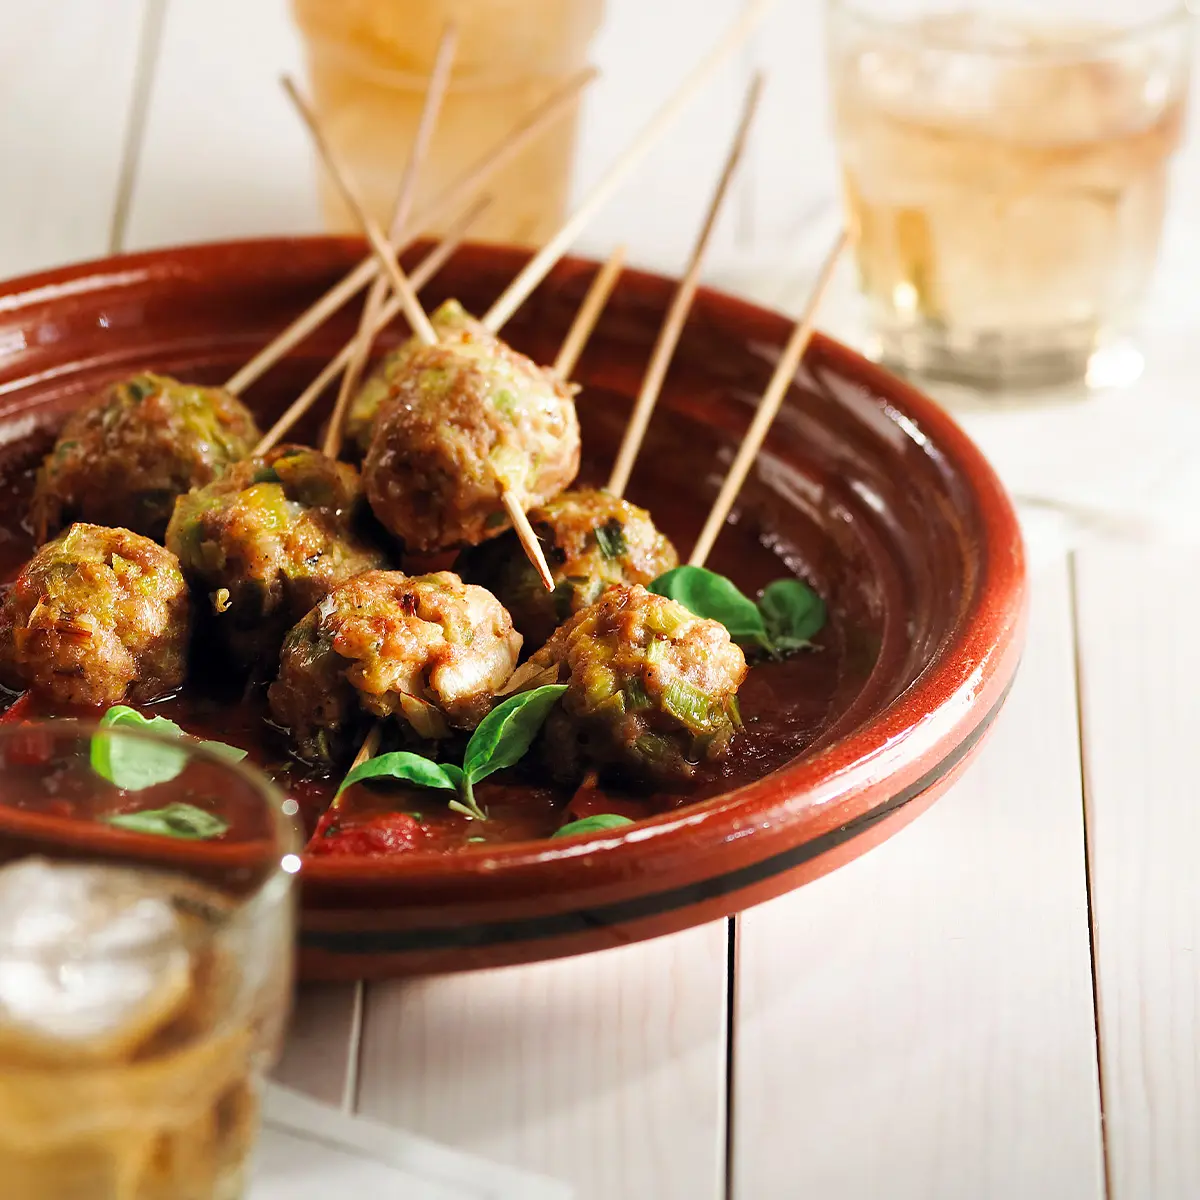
x=651 y=689
x=430 y=651
x=122 y=459
x=467 y=422
x=97 y=616
x=268 y=540
x=591 y=540
x=452 y=323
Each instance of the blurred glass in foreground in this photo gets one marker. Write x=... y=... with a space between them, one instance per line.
x=1005 y=166
x=146 y=932
x=369 y=63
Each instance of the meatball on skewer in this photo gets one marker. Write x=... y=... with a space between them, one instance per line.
x=651 y=689
x=592 y=539
x=122 y=459
x=424 y=381
x=270 y=539
x=97 y=616
x=429 y=651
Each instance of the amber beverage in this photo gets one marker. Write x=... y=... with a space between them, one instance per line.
x=369 y=63
x=144 y=975
x=1006 y=175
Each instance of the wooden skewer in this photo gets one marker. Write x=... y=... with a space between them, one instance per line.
x=588 y=314
x=430 y=266
x=681 y=305
x=768 y=407
x=385 y=252
x=538 y=267
x=553 y=109
x=528 y=539
x=439 y=80
x=369 y=746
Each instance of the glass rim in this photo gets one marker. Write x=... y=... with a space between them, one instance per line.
x=1104 y=37
x=274 y=886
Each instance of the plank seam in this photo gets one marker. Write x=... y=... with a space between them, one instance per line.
x=731 y=933
x=149 y=47
x=354 y=1050
x=1077 y=664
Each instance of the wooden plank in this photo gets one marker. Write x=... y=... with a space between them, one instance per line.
x=606 y=1072
x=320 y=1056
x=223 y=155
x=919 y=1024
x=67 y=84
x=1139 y=648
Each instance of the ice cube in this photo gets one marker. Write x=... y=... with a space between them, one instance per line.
x=93 y=959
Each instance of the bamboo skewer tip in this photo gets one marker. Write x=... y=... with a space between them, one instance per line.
x=528 y=539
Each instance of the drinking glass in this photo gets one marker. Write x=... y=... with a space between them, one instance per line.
x=146 y=940
x=369 y=63
x=1005 y=168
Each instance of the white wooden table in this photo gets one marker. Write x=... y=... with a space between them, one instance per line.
x=1004 y=1000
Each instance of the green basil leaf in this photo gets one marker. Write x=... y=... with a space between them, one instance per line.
x=407 y=767
x=596 y=824
x=176 y=820
x=133 y=764
x=507 y=732
x=710 y=595
x=793 y=613
x=610 y=537
x=136 y=763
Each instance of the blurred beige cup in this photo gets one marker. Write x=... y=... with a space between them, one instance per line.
x=369 y=63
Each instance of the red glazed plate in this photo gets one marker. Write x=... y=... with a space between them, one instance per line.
x=865 y=487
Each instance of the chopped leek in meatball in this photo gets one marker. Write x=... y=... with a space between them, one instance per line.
x=430 y=651
x=452 y=323
x=591 y=539
x=465 y=423
x=124 y=458
x=97 y=616
x=270 y=539
x=651 y=689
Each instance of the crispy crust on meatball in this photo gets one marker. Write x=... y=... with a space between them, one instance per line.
x=122 y=459
x=97 y=616
x=452 y=323
x=270 y=539
x=383 y=641
x=465 y=423
x=591 y=539
x=651 y=689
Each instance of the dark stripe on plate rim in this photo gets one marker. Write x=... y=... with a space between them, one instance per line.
x=625 y=912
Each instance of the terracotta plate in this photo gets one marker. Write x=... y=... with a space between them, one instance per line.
x=866 y=487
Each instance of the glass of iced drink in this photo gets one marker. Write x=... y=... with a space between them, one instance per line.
x=1005 y=166
x=146 y=931
x=369 y=63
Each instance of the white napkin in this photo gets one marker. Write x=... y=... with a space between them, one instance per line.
x=310 y=1151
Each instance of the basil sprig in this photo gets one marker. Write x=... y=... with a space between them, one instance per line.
x=502 y=739
x=787 y=616
x=133 y=764
x=594 y=824
x=177 y=820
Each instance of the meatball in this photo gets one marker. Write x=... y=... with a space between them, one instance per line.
x=452 y=323
x=97 y=616
x=430 y=650
x=268 y=540
x=651 y=689
x=591 y=540
x=465 y=423
x=124 y=458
